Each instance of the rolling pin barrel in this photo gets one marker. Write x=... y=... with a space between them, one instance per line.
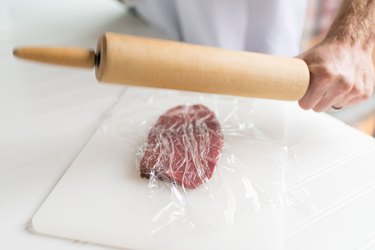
x=175 y=65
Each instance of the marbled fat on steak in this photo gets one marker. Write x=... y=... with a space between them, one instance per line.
x=183 y=146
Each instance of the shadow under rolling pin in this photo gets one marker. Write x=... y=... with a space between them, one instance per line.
x=158 y=63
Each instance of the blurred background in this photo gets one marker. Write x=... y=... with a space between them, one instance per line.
x=319 y=16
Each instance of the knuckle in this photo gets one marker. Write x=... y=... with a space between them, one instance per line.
x=345 y=85
x=319 y=83
x=325 y=72
x=356 y=90
x=325 y=83
x=320 y=70
x=366 y=95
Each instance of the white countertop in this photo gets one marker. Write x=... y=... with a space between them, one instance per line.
x=49 y=113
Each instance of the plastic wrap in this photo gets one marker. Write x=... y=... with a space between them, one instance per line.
x=183 y=147
x=239 y=201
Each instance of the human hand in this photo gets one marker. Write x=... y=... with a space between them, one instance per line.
x=341 y=74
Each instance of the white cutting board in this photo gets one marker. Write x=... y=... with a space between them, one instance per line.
x=102 y=199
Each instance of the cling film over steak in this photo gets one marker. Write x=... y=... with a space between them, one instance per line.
x=183 y=146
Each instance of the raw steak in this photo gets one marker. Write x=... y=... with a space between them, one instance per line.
x=183 y=146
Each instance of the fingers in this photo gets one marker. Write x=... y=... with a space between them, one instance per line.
x=312 y=97
x=334 y=91
x=339 y=77
x=339 y=92
x=355 y=99
x=338 y=95
x=359 y=92
x=318 y=87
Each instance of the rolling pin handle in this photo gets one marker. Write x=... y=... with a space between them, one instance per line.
x=74 y=57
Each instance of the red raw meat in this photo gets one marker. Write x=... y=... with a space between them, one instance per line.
x=183 y=146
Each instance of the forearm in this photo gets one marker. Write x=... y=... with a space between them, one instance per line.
x=354 y=24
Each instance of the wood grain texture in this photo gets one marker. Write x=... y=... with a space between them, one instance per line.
x=174 y=65
x=75 y=57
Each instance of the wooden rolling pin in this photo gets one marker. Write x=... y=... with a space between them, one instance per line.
x=157 y=63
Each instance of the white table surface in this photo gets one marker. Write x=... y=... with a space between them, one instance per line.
x=47 y=114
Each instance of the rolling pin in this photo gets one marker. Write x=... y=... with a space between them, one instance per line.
x=166 y=64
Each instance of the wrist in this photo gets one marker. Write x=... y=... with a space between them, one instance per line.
x=339 y=39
